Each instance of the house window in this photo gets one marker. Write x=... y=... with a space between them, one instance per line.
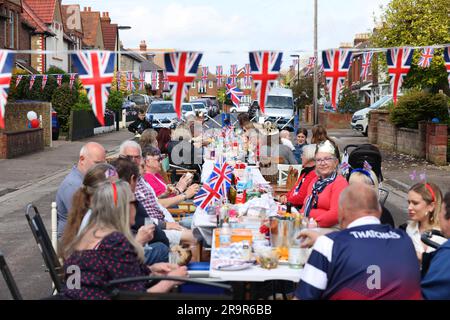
x=211 y=84
x=17 y=31
x=11 y=29
x=193 y=85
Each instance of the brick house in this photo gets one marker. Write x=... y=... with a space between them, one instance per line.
x=15 y=32
x=46 y=17
x=72 y=24
x=148 y=65
x=197 y=90
x=92 y=29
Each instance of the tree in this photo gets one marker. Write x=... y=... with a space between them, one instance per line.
x=304 y=92
x=417 y=23
x=115 y=100
x=349 y=102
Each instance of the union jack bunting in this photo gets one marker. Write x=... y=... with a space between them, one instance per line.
x=248 y=76
x=44 y=81
x=399 y=62
x=367 y=166
x=336 y=64
x=222 y=175
x=234 y=93
x=265 y=67
x=345 y=166
x=233 y=73
x=155 y=77
x=32 y=80
x=205 y=72
x=165 y=81
x=310 y=65
x=130 y=81
x=72 y=80
x=219 y=76
x=426 y=56
x=6 y=65
x=96 y=73
x=366 y=64
x=181 y=70
x=142 y=81
x=59 y=78
x=18 y=79
x=118 y=79
x=447 y=62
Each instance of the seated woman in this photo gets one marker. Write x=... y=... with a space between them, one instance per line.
x=436 y=281
x=370 y=178
x=107 y=251
x=302 y=135
x=149 y=138
x=424 y=204
x=298 y=194
x=322 y=201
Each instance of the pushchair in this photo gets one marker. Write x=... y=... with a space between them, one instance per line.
x=362 y=153
x=427 y=257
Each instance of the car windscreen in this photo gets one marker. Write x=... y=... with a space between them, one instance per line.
x=380 y=102
x=186 y=107
x=279 y=102
x=161 y=108
x=199 y=106
x=137 y=99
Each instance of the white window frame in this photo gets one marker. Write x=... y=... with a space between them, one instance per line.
x=211 y=84
x=12 y=38
x=193 y=84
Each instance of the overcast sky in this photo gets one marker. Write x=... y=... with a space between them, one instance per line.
x=226 y=30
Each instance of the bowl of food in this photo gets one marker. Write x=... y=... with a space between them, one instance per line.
x=267 y=257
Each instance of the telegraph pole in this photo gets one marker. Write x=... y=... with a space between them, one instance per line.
x=316 y=78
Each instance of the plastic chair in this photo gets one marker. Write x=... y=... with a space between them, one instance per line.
x=45 y=246
x=10 y=282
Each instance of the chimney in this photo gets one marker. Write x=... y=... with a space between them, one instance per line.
x=143 y=46
x=105 y=17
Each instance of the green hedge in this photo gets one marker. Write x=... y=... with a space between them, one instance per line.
x=416 y=106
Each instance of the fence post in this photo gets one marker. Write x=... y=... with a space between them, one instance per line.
x=54 y=227
x=124 y=118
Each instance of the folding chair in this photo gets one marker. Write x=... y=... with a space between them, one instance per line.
x=45 y=246
x=221 y=292
x=15 y=293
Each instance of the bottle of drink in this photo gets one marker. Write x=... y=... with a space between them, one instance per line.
x=295 y=250
x=225 y=235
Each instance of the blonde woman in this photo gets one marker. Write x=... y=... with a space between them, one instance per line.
x=106 y=250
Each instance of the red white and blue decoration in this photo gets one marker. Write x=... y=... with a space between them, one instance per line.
x=310 y=65
x=44 y=81
x=118 y=79
x=6 y=65
x=447 y=62
x=426 y=56
x=18 y=79
x=336 y=64
x=205 y=73
x=247 y=76
x=233 y=74
x=219 y=76
x=181 y=68
x=265 y=67
x=234 y=93
x=155 y=77
x=165 y=82
x=216 y=187
x=130 y=81
x=96 y=73
x=72 y=80
x=399 y=63
x=366 y=64
x=59 y=78
x=142 y=81
x=32 y=80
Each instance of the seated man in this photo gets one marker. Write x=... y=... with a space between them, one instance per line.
x=436 y=282
x=367 y=260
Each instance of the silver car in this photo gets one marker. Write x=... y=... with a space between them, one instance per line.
x=161 y=114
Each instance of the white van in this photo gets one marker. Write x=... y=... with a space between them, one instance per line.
x=360 y=119
x=279 y=108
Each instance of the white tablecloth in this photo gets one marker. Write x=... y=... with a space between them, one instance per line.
x=208 y=167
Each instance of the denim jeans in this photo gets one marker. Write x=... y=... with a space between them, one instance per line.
x=186 y=222
x=155 y=253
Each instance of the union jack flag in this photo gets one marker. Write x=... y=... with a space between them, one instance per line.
x=6 y=65
x=216 y=187
x=205 y=72
x=310 y=66
x=130 y=81
x=426 y=56
x=118 y=79
x=96 y=72
x=367 y=166
x=336 y=64
x=165 y=82
x=155 y=77
x=345 y=166
x=447 y=62
x=247 y=76
x=142 y=81
x=59 y=78
x=265 y=66
x=399 y=62
x=219 y=76
x=72 y=80
x=32 y=80
x=181 y=71
x=18 y=79
x=44 y=81
x=234 y=93
x=366 y=64
x=233 y=73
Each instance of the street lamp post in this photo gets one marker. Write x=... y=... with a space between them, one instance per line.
x=118 y=56
x=298 y=81
x=316 y=78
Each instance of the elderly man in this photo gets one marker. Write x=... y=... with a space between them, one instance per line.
x=91 y=154
x=436 y=282
x=367 y=260
x=146 y=196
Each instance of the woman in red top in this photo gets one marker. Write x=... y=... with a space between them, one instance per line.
x=298 y=194
x=322 y=200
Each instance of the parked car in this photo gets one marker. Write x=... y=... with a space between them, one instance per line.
x=55 y=125
x=208 y=105
x=200 y=106
x=161 y=114
x=141 y=100
x=243 y=107
x=187 y=109
x=360 y=119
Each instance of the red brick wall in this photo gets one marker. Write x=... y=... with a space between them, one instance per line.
x=24 y=42
x=19 y=143
x=437 y=140
x=335 y=120
x=16 y=9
